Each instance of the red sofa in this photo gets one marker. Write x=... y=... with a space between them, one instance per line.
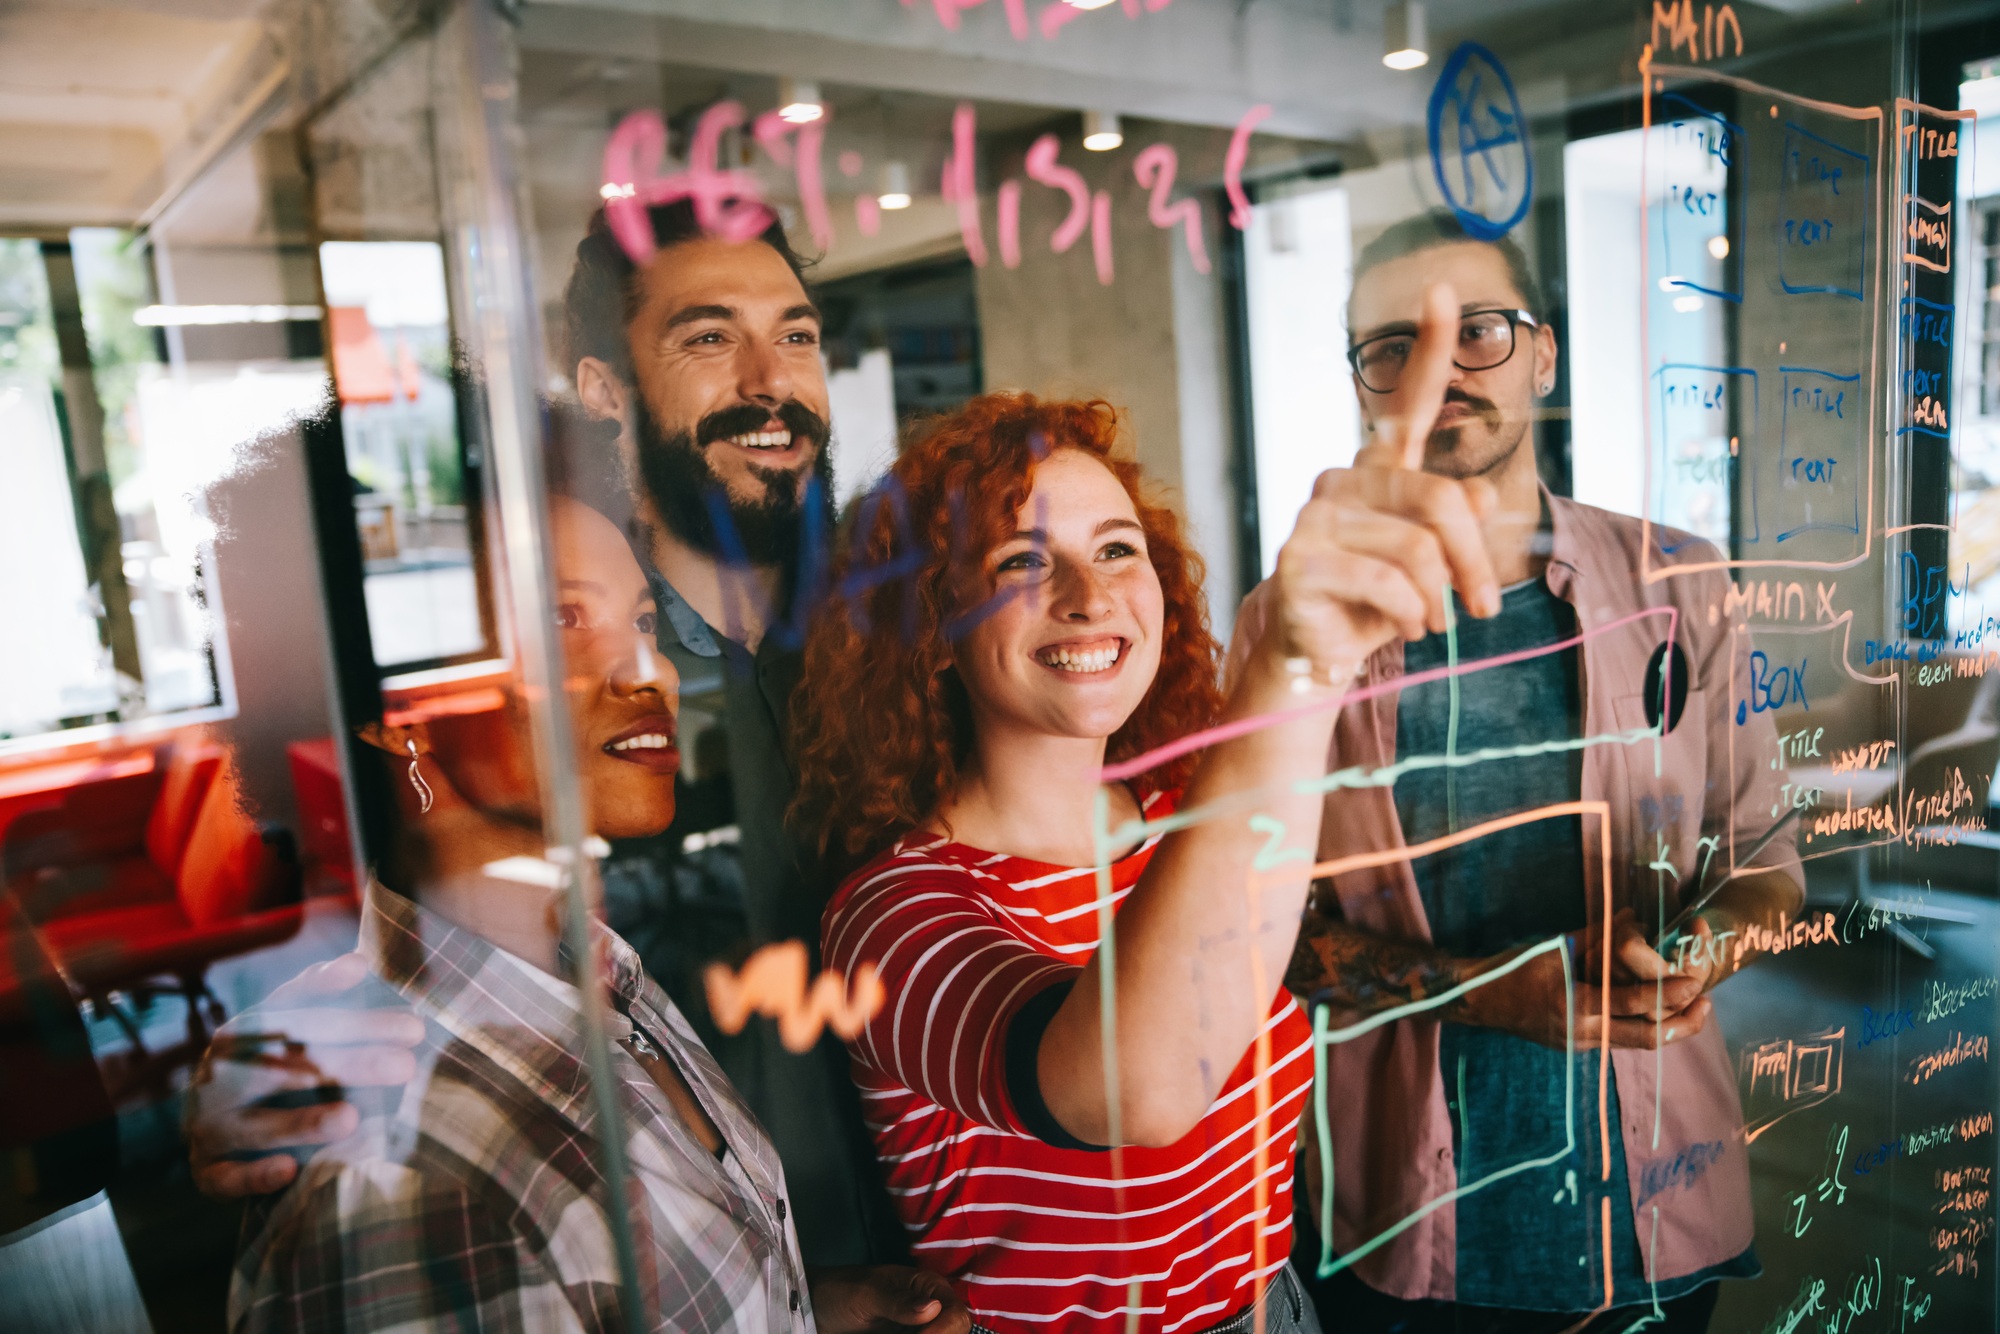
x=136 y=885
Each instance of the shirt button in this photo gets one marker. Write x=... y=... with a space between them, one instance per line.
x=795 y=1299
x=781 y=1208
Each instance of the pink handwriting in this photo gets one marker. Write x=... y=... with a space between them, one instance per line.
x=1233 y=162
x=727 y=203
x=1100 y=235
x=1009 y=205
x=771 y=130
x=964 y=190
x=1043 y=169
x=1155 y=168
x=947 y=14
x=1056 y=16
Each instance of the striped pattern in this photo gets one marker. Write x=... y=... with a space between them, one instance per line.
x=1039 y=1238
x=474 y=1198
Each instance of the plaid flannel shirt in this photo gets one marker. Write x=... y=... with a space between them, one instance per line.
x=474 y=1197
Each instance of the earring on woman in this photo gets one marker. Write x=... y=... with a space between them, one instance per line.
x=424 y=797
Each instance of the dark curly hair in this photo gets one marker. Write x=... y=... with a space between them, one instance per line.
x=881 y=722
x=603 y=293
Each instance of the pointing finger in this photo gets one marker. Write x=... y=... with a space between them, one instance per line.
x=1429 y=371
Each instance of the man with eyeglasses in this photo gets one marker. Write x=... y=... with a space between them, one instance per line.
x=1482 y=1179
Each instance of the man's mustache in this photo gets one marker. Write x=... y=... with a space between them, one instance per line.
x=1483 y=408
x=747 y=417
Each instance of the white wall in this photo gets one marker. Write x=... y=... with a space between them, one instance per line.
x=1601 y=210
x=1298 y=265
x=51 y=665
x=862 y=401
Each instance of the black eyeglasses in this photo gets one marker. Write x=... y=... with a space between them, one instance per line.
x=1485 y=340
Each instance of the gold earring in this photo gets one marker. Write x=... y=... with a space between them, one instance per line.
x=424 y=797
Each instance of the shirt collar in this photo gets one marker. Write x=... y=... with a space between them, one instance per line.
x=1563 y=565
x=515 y=1014
x=688 y=626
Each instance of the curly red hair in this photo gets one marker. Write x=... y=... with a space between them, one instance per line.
x=880 y=720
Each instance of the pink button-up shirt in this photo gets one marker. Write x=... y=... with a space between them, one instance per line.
x=1390 y=1129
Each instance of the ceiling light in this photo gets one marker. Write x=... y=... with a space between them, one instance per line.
x=157 y=317
x=798 y=101
x=1086 y=4
x=1100 y=131
x=1405 y=44
x=895 y=186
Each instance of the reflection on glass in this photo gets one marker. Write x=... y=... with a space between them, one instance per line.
x=305 y=304
x=390 y=323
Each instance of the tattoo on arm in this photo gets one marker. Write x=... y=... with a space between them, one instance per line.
x=1354 y=969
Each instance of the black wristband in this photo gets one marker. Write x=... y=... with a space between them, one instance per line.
x=1024 y=1081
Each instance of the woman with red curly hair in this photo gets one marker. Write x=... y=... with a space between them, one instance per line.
x=1014 y=613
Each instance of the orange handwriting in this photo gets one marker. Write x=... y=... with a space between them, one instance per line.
x=773 y=983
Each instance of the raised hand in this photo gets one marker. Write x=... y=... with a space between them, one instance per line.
x=274 y=1078
x=1375 y=546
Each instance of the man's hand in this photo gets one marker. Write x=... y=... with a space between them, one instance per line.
x=886 y=1297
x=1395 y=534
x=1648 y=1008
x=299 y=1042
x=1697 y=968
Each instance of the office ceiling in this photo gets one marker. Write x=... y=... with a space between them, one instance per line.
x=108 y=107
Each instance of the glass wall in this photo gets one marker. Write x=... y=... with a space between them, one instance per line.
x=1001 y=664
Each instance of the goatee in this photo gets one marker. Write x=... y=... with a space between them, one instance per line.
x=769 y=529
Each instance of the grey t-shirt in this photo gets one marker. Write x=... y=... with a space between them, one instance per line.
x=1527 y=1235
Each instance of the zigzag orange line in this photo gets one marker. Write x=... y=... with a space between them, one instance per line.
x=773 y=983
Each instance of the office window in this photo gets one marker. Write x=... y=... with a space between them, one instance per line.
x=104 y=500
x=1975 y=540
x=392 y=369
x=1677 y=199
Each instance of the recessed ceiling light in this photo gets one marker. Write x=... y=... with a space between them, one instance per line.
x=166 y=317
x=1405 y=43
x=799 y=102
x=895 y=186
x=1100 y=131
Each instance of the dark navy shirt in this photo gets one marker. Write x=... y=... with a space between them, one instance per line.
x=727 y=877
x=1524 y=1116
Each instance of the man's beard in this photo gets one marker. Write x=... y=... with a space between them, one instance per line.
x=1447 y=452
x=691 y=499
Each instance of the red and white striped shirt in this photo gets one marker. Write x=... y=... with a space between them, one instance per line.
x=1035 y=1236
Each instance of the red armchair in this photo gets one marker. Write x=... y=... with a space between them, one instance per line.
x=135 y=894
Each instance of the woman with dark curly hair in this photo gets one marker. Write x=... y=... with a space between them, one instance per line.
x=1016 y=613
